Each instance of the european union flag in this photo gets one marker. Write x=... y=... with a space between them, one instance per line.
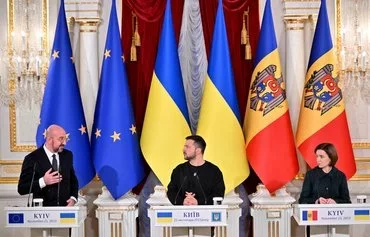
x=116 y=153
x=62 y=103
x=15 y=218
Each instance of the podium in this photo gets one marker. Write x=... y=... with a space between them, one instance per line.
x=46 y=219
x=164 y=218
x=331 y=216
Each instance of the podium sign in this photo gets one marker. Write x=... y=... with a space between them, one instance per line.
x=45 y=217
x=332 y=214
x=184 y=216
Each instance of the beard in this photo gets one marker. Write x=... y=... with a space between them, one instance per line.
x=60 y=148
x=189 y=157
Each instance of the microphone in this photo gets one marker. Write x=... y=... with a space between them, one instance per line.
x=178 y=192
x=31 y=185
x=318 y=192
x=201 y=188
x=58 y=185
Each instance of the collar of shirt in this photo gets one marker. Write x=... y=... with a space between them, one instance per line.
x=50 y=155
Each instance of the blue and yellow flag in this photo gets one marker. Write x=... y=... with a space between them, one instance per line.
x=322 y=117
x=273 y=159
x=166 y=122
x=62 y=103
x=219 y=120
x=115 y=145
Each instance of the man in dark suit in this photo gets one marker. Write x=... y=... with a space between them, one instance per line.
x=52 y=166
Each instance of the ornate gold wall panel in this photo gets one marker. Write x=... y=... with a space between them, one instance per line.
x=13 y=119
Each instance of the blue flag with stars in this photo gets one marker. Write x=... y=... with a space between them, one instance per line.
x=115 y=147
x=62 y=103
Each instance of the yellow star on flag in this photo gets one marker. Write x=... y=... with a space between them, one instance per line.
x=82 y=129
x=44 y=133
x=67 y=137
x=107 y=53
x=97 y=133
x=123 y=58
x=133 y=129
x=55 y=54
x=73 y=59
x=115 y=136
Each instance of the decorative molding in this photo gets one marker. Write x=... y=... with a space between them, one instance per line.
x=301 y=8
x=11 y=162
x=14 y=147
x=9 y=180
x=83 y=9
x=83 y=3
x=88 y=21
x=295 y=19
x=363 y=159
x=361 y=145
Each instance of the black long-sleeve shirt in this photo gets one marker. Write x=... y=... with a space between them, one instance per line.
x=206 y=181
x=317 y=184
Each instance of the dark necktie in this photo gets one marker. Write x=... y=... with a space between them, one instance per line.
x=54 y=163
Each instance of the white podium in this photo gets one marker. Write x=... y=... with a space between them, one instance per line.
x=167 y=220
x=332 y=216
x=46 y=219
x=188 y=216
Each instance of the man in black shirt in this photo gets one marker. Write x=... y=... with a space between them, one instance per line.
x=197 y=181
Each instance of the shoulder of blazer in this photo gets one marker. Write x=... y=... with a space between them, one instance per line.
x=36 y=154
x=66 y=154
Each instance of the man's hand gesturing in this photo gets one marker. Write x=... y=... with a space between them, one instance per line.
x=52 y=177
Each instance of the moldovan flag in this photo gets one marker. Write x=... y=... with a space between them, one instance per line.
x=166 y=122
x=322 y=118
x=219 y=120
x=269 y=136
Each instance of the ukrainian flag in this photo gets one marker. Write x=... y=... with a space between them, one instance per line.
x=322 y=116
x=67 y=218
x=273 y=158
x=166 y=122
x=362 y=215
x=219 y=120
x=164 y=217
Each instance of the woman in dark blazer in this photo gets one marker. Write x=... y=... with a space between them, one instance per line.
x=325 y=184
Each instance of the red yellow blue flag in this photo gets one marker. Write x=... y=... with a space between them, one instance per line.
x=322 y=116
x=219 y=120
x=269 y=138
x=166 y=122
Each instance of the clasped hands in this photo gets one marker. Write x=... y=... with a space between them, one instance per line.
x=190 y=199
x=322 y=200
x=52 y=177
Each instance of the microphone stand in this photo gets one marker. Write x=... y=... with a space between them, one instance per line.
x=31 y=185
x=178 y=192
x=58 y=185
x=201 y=188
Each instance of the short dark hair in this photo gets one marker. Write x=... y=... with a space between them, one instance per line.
x=330 y=150
x=198 y=141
